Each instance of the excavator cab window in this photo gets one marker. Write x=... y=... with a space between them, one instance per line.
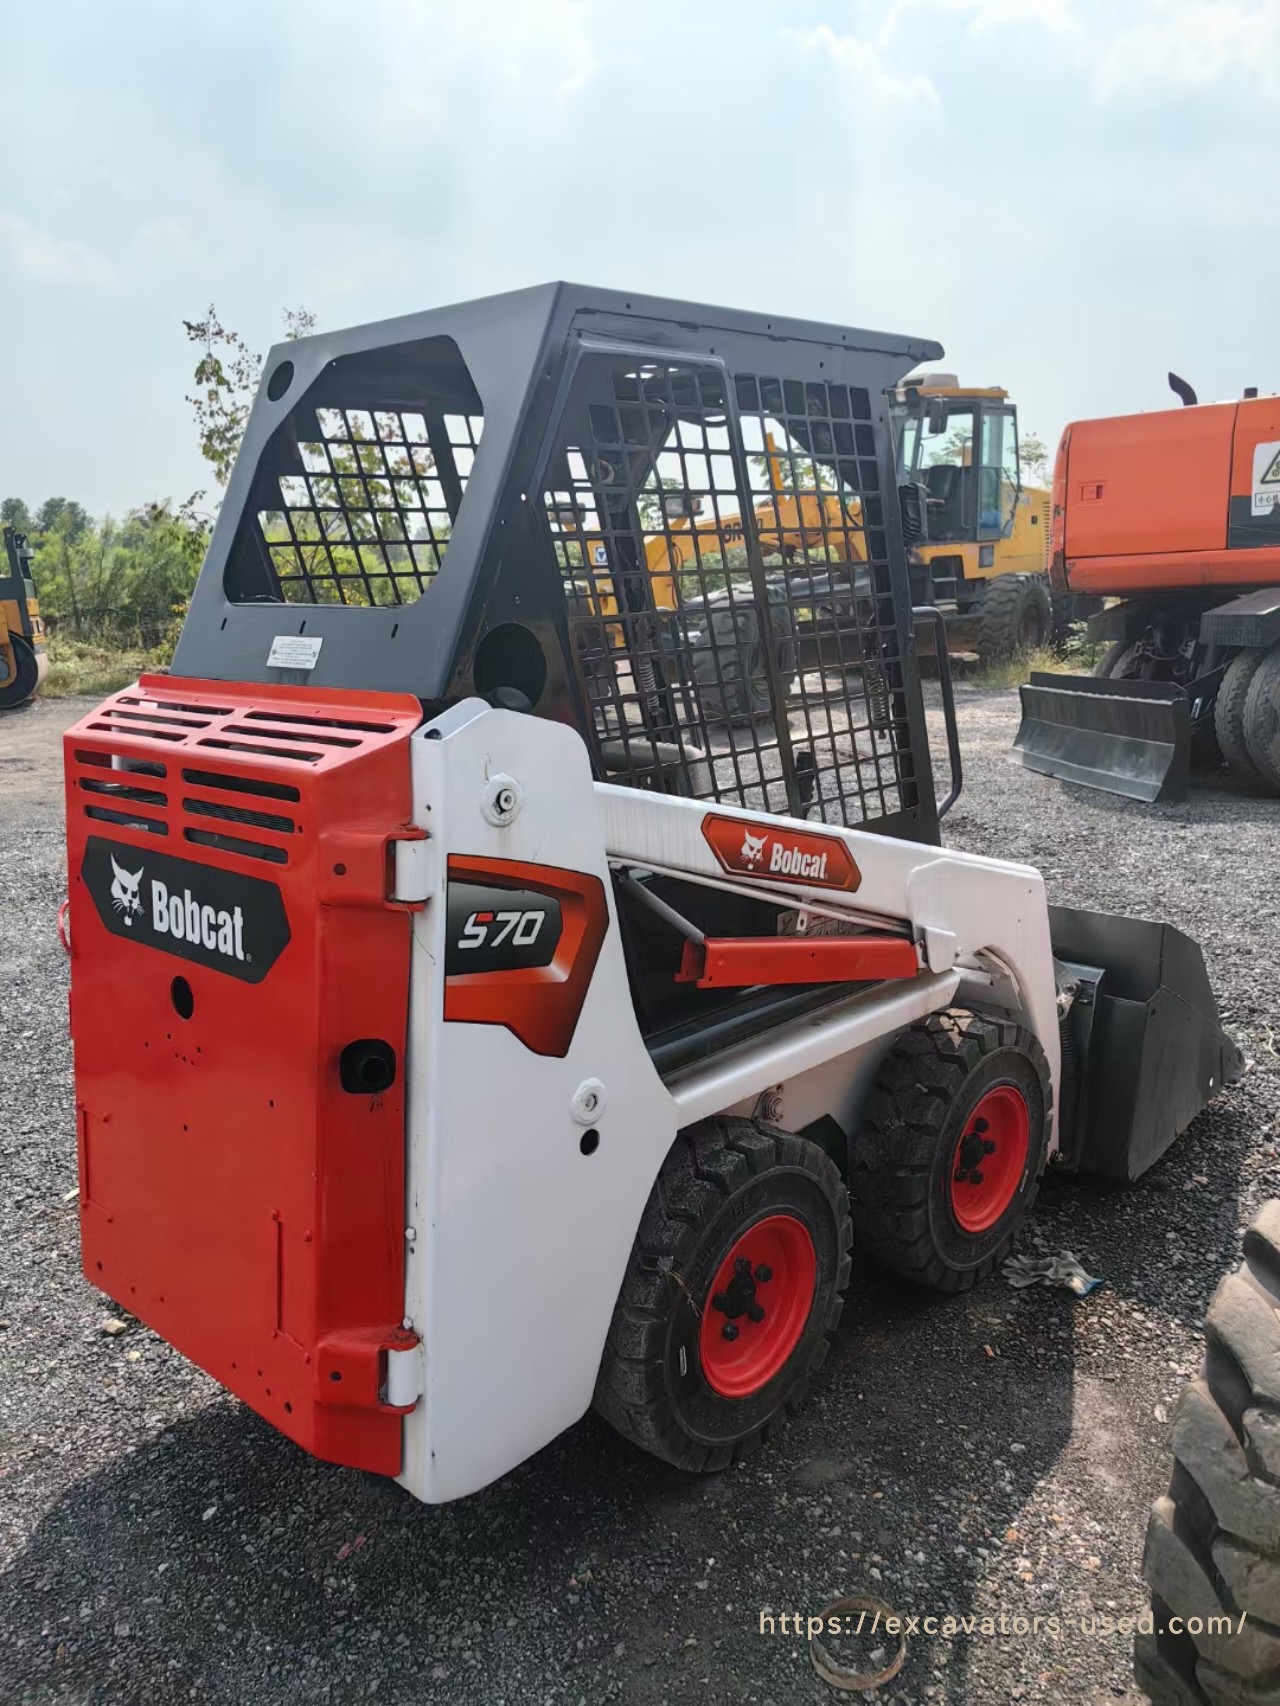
x=943 y=460
x=999 y=478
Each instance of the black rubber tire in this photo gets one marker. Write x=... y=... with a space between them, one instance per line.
x=729 y=665
x=1228 y=714
x=1063 y=609
x=1213 y=1541
x=26 y=676
x=1262 y=720
x=1017 y=617
x=903 y=1153
x=719 y=1178
x=1113 y=660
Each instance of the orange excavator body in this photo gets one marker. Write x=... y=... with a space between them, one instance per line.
x=1178 y=499
x=1174 y=519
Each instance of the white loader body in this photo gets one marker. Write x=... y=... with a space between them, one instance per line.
x=517 y=1240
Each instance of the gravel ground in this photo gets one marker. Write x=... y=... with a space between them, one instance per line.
x=988 y=1456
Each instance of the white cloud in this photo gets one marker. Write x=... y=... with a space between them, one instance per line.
x=40 y=254
x=992 y=14
x=987 y=14
x=1120 y=47
x=1186 y=44
x=1056 y=15
x=532 y=51
x=861 y=61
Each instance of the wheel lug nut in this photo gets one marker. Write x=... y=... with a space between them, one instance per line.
x=755 y=1313
x=962 y=1173
x=988 y=1148
x=729 y=1331
x=721 y=1302
x=975 y=1177
x=764 y=1273
x=742 y=1265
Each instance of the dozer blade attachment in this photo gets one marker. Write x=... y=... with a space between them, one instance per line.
x=1126 y=737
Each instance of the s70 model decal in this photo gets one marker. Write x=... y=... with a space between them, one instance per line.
x=522 y=944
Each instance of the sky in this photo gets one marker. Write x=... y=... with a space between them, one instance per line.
x=1072 y=195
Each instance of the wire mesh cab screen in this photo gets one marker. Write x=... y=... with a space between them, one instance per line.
x=357 y=498
x=720 y=541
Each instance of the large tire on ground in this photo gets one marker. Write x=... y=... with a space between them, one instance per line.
x=1212 y=1557
x=732 y=1290
x=22 y=684
x=1228 y=714
x=729 y=664
x=1016 y=617
x=1116 y=659
x=1262 y=719
x=947 y=1160
x=1063 y=614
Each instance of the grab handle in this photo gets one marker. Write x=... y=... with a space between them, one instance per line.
x=931 y=613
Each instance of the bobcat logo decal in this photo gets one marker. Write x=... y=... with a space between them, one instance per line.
x=752 y=847
x=124 y=891
x=784 y=853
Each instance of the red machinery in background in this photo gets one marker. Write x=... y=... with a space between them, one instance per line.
x=1176 y=515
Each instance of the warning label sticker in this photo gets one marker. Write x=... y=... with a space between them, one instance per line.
x=1266 y=478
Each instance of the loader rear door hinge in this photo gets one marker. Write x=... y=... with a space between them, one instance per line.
x=406 y=1377
x=369 y=1369
x=417 y=871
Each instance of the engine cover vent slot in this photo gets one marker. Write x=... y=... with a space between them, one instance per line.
x=127 y=820
x=239 y=814
x=233 y=844
x=258 y=785
x=123 y=791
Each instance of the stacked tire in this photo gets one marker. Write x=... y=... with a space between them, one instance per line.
x=1212 y=1557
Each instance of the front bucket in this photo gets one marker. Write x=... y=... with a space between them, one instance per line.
x=1126 y=737
x=1143 y=1049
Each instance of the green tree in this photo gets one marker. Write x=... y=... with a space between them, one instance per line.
x=14 y=513
x=69 y=569
x=226 y=377
x=1033 y=454
x=55 y=511
x=112 y=580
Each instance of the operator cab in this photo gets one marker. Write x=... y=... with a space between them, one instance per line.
x=939 y=423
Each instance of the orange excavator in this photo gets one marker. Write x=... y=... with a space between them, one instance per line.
x=1173 y=518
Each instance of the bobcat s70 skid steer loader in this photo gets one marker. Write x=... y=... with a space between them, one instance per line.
x=470 y=1023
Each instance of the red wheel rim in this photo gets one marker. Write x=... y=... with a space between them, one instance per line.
x=757 y=1306
x=990 y=1158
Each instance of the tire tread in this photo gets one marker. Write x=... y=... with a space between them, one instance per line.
x=1213 y=1541
x=892 y=1153
x=702 y=1170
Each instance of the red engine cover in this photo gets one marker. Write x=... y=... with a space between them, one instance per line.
x=230 y=856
